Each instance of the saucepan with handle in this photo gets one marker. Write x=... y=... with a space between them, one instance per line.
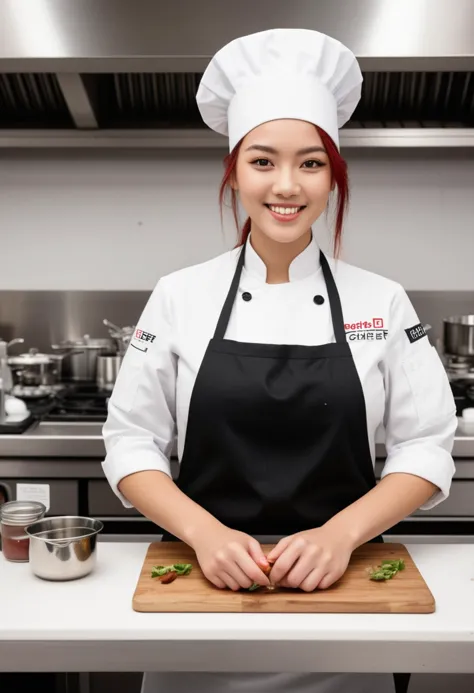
x=84 y=368
x=63 y=548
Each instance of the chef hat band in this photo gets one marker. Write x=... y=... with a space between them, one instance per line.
x=281 y=96
x=280 y=73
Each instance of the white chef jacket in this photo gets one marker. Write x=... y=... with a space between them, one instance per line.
x=407 y=393
x=406 y=389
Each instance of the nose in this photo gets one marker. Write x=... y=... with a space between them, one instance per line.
x=285 y=183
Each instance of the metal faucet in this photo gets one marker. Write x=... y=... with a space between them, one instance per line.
x=6 y=380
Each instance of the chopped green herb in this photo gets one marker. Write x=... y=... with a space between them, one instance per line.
x=182 y=568
x=386 y=570
x=179 y=568
x=254 y=587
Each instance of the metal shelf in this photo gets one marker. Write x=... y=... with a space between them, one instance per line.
x=206 y=139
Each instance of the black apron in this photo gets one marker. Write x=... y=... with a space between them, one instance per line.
x=276 y=439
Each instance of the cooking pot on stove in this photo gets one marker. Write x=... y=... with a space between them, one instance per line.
x=34 y=369
x=458 y=335
x=108 y=366
x=84 y=367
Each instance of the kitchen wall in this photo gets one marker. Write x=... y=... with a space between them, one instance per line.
x=116 y=221
x=109 y=220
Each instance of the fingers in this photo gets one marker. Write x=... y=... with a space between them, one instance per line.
x=238 y=575
x=303 y=561
x=217 y=582
x=297 y=571
x=313 y=580
x=309 y=584
x=236 y=562
x=230 y=582
x=317 y=579
x=328 y=580
x=301 y=569
x=285 y=562
x=248 y=563
x=278 y=549
x=256 y=552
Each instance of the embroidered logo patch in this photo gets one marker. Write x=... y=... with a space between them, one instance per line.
x=415 y=333
x=366 y=330
x=143 y=338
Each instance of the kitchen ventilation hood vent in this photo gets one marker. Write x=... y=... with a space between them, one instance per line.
x=32 y=100
x=149 y=100
x=389 y=99
x=120 y=74
x=167 y=100
x=161 y=100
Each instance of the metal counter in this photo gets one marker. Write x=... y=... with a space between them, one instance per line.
x=68 y=439
x=66 y=459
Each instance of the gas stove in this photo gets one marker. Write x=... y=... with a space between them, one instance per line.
x=459 y=367
x=81 y=402
x=85 y=402
x=75 y=401
x=463 y=391
x=460 y=372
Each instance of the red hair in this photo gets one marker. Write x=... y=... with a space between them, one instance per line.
x=339 y=179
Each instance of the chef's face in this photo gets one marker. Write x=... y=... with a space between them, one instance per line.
x=284 y=178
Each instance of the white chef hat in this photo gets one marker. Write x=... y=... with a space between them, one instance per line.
x=279 y=73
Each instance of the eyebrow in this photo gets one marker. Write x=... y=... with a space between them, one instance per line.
x=271 y=150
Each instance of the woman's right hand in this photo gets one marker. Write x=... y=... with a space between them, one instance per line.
x=229 y=558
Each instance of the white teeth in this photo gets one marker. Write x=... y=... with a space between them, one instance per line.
x=284 y=210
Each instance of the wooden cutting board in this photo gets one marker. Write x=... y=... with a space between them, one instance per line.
x=407 y=592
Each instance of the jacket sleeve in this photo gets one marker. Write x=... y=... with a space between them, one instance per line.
x=140 y=426
x=420 y=413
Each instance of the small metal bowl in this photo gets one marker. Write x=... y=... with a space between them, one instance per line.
x=63 y=548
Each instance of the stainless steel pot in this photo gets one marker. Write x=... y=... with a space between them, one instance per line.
x=108 y=366
x=458 y=335
x=63 y=548
x=37 y=370
x=84 y=367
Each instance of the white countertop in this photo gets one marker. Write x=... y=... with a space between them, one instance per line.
x=89 y=625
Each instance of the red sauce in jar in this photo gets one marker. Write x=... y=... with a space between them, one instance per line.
x=15 y=517
x=15 y=543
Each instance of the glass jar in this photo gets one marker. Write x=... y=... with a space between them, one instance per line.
x=15 y=517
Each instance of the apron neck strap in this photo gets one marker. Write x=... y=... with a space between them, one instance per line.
x=333 y=295
x=224 y=317
x=334 y=301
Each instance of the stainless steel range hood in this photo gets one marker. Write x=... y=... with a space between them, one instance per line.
x=119 y=74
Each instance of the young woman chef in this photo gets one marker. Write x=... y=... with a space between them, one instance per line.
x=275 y=364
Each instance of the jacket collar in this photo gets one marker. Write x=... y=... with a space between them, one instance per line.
x=304 y=264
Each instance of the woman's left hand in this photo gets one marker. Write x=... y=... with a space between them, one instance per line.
x=312 y=559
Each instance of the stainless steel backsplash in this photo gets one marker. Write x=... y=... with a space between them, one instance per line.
x=43 y=318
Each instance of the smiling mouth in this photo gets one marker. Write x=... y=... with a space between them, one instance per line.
x=285 y=210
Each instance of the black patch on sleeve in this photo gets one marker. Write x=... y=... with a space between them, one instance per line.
x=415 y=333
